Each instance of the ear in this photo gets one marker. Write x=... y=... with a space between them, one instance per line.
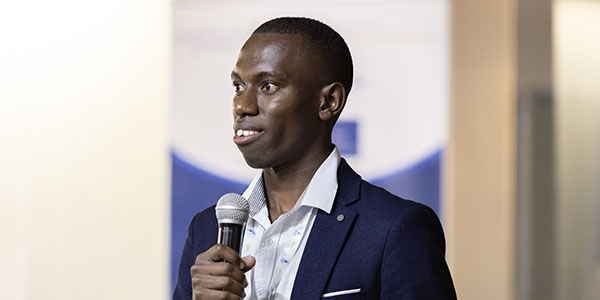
x=333 y=99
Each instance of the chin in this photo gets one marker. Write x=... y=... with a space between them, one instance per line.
x=256 y=162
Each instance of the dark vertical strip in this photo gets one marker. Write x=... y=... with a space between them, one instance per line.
x=535 y=276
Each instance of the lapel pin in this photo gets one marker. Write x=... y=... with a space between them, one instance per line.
x=340 y=218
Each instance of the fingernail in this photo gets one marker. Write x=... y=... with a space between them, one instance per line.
x=242 y=265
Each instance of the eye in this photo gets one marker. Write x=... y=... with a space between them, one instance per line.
x=270 y=87
x=238 y=88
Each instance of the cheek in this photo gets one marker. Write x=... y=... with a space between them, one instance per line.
x=289 y=114
x=279 y=106
x=278 y=112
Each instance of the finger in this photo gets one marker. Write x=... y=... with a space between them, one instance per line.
x=218 y=269
x=207 y=294
x=219 y=253
x=249 y=263
x=221 y=283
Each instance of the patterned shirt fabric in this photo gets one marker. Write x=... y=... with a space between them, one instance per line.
x=278 y=246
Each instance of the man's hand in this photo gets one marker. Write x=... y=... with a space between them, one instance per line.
x=218 y=273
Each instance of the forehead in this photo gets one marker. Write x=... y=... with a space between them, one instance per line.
x=273 y=50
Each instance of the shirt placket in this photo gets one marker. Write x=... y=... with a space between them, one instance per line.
x=267 y=254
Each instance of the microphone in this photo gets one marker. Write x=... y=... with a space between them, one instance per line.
x=232 y=214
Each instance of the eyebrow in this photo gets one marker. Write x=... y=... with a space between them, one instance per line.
x=234 y=74
x=262 y=74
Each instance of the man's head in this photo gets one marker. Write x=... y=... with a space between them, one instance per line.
x=291 y=81
x=321 y=39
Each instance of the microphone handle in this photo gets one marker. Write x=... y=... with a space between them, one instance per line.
x=230 y=235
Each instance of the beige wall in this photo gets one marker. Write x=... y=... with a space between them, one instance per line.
x=479 y=166
x=84 y=166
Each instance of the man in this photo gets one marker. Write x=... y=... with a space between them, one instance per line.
x=316 y=229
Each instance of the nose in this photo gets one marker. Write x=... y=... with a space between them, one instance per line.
x=245 y=104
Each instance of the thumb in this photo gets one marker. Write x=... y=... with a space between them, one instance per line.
x=249 y=262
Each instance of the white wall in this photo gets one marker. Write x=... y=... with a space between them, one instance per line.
x=83 y=158
x=577 y=81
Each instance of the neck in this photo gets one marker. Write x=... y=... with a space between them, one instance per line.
x=285 y=184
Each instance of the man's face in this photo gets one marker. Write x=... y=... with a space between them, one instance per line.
x=276 y=101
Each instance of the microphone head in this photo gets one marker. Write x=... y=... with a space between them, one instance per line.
x=232 y=209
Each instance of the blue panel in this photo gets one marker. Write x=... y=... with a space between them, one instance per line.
x=344 y=136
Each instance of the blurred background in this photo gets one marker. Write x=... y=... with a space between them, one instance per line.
x=100 y=135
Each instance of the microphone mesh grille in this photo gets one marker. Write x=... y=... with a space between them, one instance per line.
x=232 y=209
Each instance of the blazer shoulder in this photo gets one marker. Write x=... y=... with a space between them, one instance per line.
x=203 y=229
x=401 y=214
x=206 y=215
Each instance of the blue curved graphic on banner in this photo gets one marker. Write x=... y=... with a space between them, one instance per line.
x=194 y=189
x=420 y=182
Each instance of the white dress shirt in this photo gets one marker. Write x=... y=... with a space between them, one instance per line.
x=278 y=246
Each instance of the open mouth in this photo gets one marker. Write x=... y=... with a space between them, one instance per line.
x=242 y=132
x=245 y=136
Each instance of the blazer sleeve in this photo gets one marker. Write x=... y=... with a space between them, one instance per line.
x=414 y=265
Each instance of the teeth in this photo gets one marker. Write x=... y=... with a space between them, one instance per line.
x=241 y=132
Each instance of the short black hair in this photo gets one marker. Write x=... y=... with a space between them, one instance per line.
x=320 y=38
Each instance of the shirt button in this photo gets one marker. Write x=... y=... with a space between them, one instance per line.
x=268 y=242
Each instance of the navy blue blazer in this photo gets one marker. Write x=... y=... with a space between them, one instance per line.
x=388 y=247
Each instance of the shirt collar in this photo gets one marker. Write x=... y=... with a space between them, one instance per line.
x=319 y=193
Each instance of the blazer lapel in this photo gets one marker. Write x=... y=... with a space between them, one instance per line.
x=327 y=238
